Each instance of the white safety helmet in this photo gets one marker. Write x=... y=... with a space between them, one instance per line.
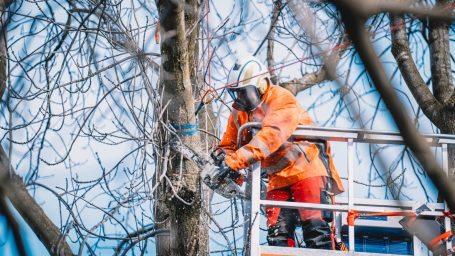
x=248 y=81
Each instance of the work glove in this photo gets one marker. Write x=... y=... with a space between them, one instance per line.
x=219 y=159
x=235 y=175
x=231 y=174
x=220 y=178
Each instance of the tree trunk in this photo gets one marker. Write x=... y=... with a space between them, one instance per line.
x=441 y=71
x=440 y=59
x=182 y=192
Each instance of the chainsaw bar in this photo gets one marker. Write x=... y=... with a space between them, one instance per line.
x=225 y=187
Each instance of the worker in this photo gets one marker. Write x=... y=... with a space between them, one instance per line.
x=299 y=170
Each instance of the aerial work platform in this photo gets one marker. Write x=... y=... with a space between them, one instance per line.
x=344 y=206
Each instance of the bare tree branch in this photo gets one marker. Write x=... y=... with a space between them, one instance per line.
x=325 y=73
x=402 y=53
x=307 y=81
x=366 y=9
x=310 y=79
x=277 y=7
x=33 y=214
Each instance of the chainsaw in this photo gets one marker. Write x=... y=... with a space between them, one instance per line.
x=214 y=173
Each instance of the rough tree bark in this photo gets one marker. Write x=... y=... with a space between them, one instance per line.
x=3 y=6
x=441 y=71
x=182 y=194
x=48 y=233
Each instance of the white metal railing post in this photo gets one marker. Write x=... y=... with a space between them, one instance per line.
x=445 y=167
x=417 y=246
x=350 y=162
x=255 y=209
x=247 y=212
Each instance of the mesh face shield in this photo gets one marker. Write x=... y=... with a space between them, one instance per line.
x=246 y=98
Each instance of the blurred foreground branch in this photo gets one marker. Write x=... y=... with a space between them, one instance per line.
x=359 y=36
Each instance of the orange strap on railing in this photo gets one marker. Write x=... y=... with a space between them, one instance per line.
x=433 y=245
x=353 y=215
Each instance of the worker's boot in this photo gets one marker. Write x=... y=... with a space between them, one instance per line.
x=282 y=232
x=277 y=235
x=316 y=234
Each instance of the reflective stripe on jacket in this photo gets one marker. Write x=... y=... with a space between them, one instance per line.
x=285 y=162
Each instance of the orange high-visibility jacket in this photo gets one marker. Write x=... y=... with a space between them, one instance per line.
x=286 y=162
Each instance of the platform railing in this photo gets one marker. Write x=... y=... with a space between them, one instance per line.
x=349 y=136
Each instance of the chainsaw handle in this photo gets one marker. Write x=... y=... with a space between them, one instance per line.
x=227 y=173
x=218 y=155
